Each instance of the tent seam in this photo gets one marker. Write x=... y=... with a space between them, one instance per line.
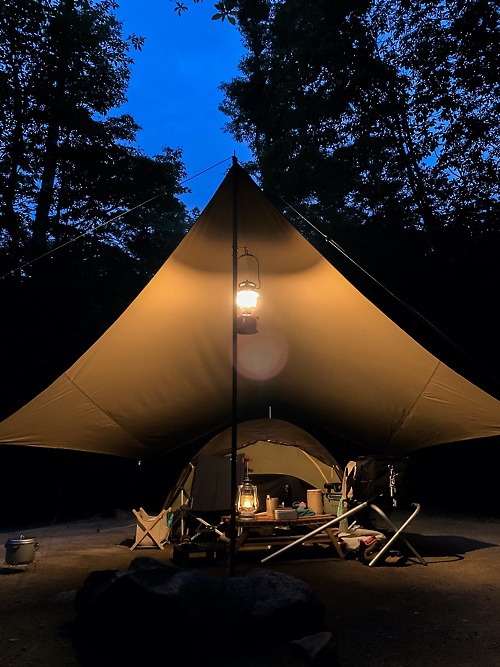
x=407 y=414
x=133 y=437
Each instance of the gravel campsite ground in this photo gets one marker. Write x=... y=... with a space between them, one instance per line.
x=443 y=613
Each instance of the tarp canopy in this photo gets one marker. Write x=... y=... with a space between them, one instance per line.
x=161 y=375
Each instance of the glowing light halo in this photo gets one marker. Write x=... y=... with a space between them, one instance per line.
x=263 y=357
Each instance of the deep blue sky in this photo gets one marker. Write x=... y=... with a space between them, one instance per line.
x=173 y=93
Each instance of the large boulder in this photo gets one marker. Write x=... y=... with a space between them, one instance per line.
x=153 y=610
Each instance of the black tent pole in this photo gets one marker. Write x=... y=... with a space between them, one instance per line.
x=234 y=383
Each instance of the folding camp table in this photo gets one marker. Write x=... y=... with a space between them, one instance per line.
x=317 y=530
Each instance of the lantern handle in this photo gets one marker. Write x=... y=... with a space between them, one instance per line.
x=249 y=254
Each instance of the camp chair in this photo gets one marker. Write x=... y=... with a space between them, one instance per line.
x=150 y=530
x=194 y=522
x=210 y=499
x=380 y=481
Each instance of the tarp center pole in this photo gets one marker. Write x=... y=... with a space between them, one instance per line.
x=234 y=382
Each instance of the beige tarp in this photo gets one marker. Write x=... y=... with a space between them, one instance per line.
x=161 y=375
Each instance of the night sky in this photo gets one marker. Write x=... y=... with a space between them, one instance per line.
x=173 y=93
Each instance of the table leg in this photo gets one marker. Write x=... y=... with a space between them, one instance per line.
x=333 y=535
x=242 y=538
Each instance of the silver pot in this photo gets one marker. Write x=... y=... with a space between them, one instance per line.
x=20 y=551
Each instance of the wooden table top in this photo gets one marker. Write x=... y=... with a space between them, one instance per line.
x=263 y=519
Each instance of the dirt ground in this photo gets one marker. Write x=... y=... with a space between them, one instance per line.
x=443 y=613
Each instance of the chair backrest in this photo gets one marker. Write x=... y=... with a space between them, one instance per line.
x=211 y=491
x=378 y=478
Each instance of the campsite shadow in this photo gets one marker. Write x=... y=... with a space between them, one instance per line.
x=12 y=570
x=428 y=546
x=442 y=546
x=195 y=555
x=435 y=546
x=128 y=542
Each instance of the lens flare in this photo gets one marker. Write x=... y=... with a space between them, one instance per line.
x=261 y=357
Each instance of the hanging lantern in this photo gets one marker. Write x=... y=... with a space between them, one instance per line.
x=246 y=300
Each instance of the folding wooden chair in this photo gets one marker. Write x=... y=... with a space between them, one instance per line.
x=150 y=530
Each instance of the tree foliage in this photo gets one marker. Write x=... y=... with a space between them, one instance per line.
x=86 y=218
x=379 y=120
x=226 y=9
